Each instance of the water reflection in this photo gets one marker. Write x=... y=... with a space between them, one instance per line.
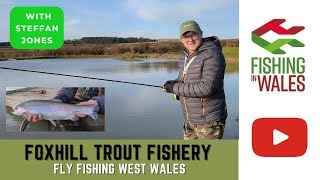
x=134 y=67
x=131 y=111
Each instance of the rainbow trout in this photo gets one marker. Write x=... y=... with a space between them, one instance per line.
x=55 y=110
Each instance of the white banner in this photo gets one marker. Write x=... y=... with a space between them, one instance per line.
x=279 y=85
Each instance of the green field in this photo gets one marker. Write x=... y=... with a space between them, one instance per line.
x=231 y=52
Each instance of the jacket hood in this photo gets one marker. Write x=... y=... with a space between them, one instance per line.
x=210 y=42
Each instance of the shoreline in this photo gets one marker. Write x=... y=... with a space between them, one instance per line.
x=125 y=57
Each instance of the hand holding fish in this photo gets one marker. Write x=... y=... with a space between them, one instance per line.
x=86 y=103
x=34 y=118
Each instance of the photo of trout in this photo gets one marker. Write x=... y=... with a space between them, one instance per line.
x=56 y=109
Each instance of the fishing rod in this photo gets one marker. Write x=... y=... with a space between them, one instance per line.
x=41 y=91
x=68 y=75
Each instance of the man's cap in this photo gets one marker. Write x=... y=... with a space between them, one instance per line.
x=190 y=26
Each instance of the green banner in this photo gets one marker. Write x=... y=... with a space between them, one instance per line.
x=119 y=159
x=36 y=27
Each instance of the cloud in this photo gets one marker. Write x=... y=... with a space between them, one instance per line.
x=136 y=33
x=5 y=8
x=105 y=14
x=4 y=29
x=72 y=22
x=165 y=10
x=71 y=31
x=7 y=3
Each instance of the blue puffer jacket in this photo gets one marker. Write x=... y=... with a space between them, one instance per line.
x=201 y=89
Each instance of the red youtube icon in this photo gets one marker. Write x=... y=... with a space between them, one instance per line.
x=279 y=137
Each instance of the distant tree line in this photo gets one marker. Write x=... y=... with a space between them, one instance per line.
x=120 y=40
x=67 y=50
x=229 y=42
x=4 y=44
x=85 y=48
x=108 y=40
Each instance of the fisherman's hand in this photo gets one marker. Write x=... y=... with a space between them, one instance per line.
x=168 y=86
x=164 y=87
x=86 y=103
x=100 y=91
x=34 y=118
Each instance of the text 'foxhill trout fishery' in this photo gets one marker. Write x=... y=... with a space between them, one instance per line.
x=55 y=110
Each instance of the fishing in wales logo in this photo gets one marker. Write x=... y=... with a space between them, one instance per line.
x=278 y=73
x=274 y=47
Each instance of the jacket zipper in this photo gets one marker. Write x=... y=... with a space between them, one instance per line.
x=203 y=107
x=184 y=101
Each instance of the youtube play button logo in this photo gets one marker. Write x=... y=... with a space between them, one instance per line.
x=279 y=137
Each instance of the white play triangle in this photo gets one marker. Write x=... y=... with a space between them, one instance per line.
x=279 y=137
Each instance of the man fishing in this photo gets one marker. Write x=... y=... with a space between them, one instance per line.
x=92 y=97
x=200 y=84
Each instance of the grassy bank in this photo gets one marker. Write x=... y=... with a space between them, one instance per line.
x=128 y=51
x=231 y=53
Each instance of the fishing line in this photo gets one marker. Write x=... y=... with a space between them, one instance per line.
x=68 y=75
x=23 y=125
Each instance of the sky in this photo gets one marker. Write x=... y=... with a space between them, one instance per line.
x=155 y=19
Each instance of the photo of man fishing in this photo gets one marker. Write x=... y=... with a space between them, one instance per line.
x=65 y=109
x=199 y=85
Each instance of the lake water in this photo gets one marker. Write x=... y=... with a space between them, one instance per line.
x=132 y=111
